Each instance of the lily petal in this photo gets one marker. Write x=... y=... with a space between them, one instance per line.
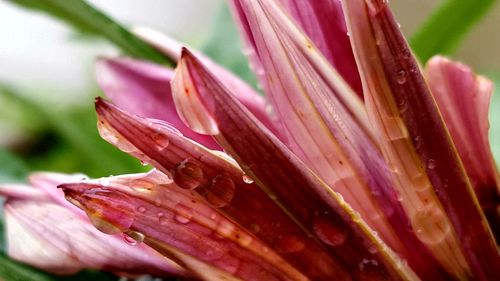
x=195 y=167
x=53 y=238
x=327 y=128
x=165 y=214
x=143 y=88
x=20 y=191
x=46 y=231
x=255 y=102
x=323 y=21
x=415 y=141
x=319 y=210
x=464 y=99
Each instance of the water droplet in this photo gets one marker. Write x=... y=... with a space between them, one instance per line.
x=431 y=164
x=247 y=179
x=365 y=263
x=161 y=140
x=417 y=142
x=401 y=77
x=183 y=214
x=221 y=191
x=141 y=209
x=133 y=238
x=431 y=224
x=290 y=244
x=141 y=185
x=103 y=225
x=330 y=232
x=143 y=163
x=188 y=174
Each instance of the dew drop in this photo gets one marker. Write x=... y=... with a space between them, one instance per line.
x=290 y=244
x=133 y=237
x=103 y=225
x=401 y=77
x=141 y=209
x=143 y=163
x=161 y=140
x=141 y=185
x=247 y=179
x=188 y=174
x=431 y=164
x=431 y=225
x=221 y=191
x=183 y=214
x=331 y=233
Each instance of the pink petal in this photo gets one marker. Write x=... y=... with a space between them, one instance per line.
x=326 y=127
x=54 y=239
x=242 y=91
x=193 y=166
x=464 y=99
x=427 y=170
x=152 y=208
x=20 y=191
x=285 y=178
x=323 y=21
x=143 y=88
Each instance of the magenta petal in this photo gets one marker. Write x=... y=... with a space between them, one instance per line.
x=285 y=178
x=53 y=238
x=416 y=143
x=143 y=88
x=255 y=102
x=323 y=21
x=464 y=99
x=151 y=208
x=195 y=167
x=20 y=191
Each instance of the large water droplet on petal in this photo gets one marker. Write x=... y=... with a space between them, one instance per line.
x=188 y=174
x=221 y=191
x=330 y=232
x=431 y=224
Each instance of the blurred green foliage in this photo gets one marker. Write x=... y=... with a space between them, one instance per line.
x=443 y=30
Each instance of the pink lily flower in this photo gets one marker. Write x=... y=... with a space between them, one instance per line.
x=367 y=168
x=47 y=232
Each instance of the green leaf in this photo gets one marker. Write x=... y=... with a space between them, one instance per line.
x=224 y=46
x=447 y=25
x=86 y=18
x=14 y=271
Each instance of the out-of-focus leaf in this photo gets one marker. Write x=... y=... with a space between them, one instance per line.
x=13 y=271
x=11 y=168
x=70 y=142
x=447 y=25
x=88 y=19
x=225 y=47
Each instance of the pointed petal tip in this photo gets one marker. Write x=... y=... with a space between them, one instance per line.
x=189 y=87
